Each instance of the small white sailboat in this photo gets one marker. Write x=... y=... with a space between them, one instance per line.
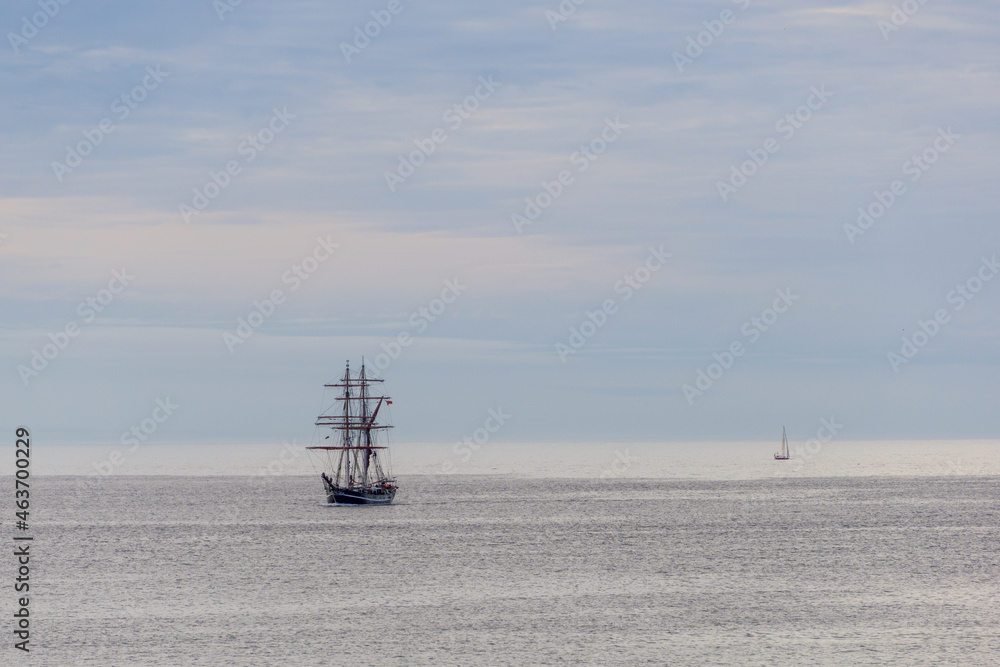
x=783 y=454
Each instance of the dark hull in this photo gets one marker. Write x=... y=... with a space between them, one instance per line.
x=356 y=497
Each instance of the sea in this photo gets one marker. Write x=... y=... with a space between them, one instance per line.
x=635 y=554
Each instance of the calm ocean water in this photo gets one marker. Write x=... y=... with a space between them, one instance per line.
x=498 y=569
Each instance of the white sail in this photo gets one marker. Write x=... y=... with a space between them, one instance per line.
x=783 y=454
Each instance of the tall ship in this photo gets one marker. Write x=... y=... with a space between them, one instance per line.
x=783 y=454
x=355 y=469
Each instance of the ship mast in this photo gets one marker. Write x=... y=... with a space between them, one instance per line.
x=345 y=455
x=366 y=434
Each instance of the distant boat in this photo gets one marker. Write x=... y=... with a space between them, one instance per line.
x=353 y=473
x=783 y=454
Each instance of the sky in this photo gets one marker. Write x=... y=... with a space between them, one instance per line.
x=635 y=221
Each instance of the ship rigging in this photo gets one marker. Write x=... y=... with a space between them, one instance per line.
x=355 y=471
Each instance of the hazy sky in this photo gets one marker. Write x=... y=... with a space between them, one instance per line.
x=688 y=173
